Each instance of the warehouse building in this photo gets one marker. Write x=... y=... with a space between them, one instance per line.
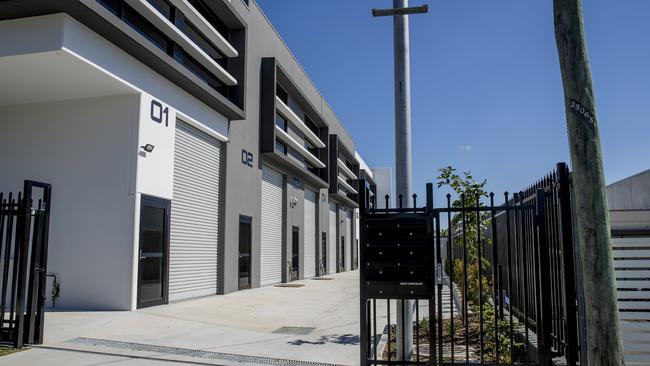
x=190 y=154
x=629 y=214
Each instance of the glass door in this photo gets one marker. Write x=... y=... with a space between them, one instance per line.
x=244 y=252
x=153 y=252
x=342 y=255
x=295 y=259
x=323 y=255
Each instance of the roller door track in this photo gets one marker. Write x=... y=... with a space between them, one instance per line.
x=272 y=223
x=195 y=214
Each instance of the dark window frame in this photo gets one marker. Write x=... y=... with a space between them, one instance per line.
x=311 y=125
x=193 y=33
x=285 y=126
x=211 y=17
x=282 y=93
x=283 y=146
x=140 y=24
x=163 y=7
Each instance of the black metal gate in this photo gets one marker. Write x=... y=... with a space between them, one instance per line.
x=500 y=289
x=24 y=228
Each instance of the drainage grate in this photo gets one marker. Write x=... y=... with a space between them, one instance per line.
x=294 y=330
x=196 y=353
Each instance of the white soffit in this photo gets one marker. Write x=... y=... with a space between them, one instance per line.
x=54 y=76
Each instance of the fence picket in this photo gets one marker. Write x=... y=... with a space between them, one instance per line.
x=23 y=247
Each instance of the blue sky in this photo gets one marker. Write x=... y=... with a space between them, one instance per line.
x=486 y=86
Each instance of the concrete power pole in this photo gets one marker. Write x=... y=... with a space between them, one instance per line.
x=403 y=153
x=604 y=345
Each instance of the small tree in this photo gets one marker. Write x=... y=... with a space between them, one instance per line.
x=473 y=224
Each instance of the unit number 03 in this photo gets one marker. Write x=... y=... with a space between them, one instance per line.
x=159 y=112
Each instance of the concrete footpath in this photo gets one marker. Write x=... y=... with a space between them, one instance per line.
x=318 y=322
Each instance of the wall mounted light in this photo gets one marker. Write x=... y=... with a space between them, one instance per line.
x=148 y=147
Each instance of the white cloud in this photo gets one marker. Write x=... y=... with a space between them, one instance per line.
x=465 y=147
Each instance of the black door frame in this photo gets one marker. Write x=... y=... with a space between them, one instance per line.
x=246 y=220
x=322 y=267
x=295 y=242
x=165 y=205
x=342 y=254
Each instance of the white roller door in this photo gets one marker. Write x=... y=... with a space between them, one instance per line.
x=272 y=223
x=331 y=255
x=348 y=240
x=195 y=214
x=310 y=233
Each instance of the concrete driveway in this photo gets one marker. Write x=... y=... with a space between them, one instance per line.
x=320 y=320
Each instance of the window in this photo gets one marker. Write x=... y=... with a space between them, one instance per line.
x=280 y=148
x=200 y=40
x=281 y=122
x=200 y=71
x=282 y=94
x=295 y=155
x=296 y=133
x=311 y=169
x=113 y=6
x=211 y=17
x=311 y=125
x=139 y=23
x=311 y=148
x=162 y=6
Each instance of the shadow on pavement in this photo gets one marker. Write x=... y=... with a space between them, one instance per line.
x=344 y=339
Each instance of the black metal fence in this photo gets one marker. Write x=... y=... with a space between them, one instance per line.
x=24 y=228
x=475 y=326
x=549 y=307
x=503 y=290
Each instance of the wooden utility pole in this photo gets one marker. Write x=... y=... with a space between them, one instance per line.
x=604 y=345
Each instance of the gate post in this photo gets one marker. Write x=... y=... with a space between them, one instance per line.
x=364 y=314
x=22 y=244
x=544 y=327
x=566 y=225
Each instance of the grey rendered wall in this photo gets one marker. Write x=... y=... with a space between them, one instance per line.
x=632 y=193
x=629 y=202
x=243 y=183
x=384 y=179
x=86 y=150
x=323 y=224
x=295 y=217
